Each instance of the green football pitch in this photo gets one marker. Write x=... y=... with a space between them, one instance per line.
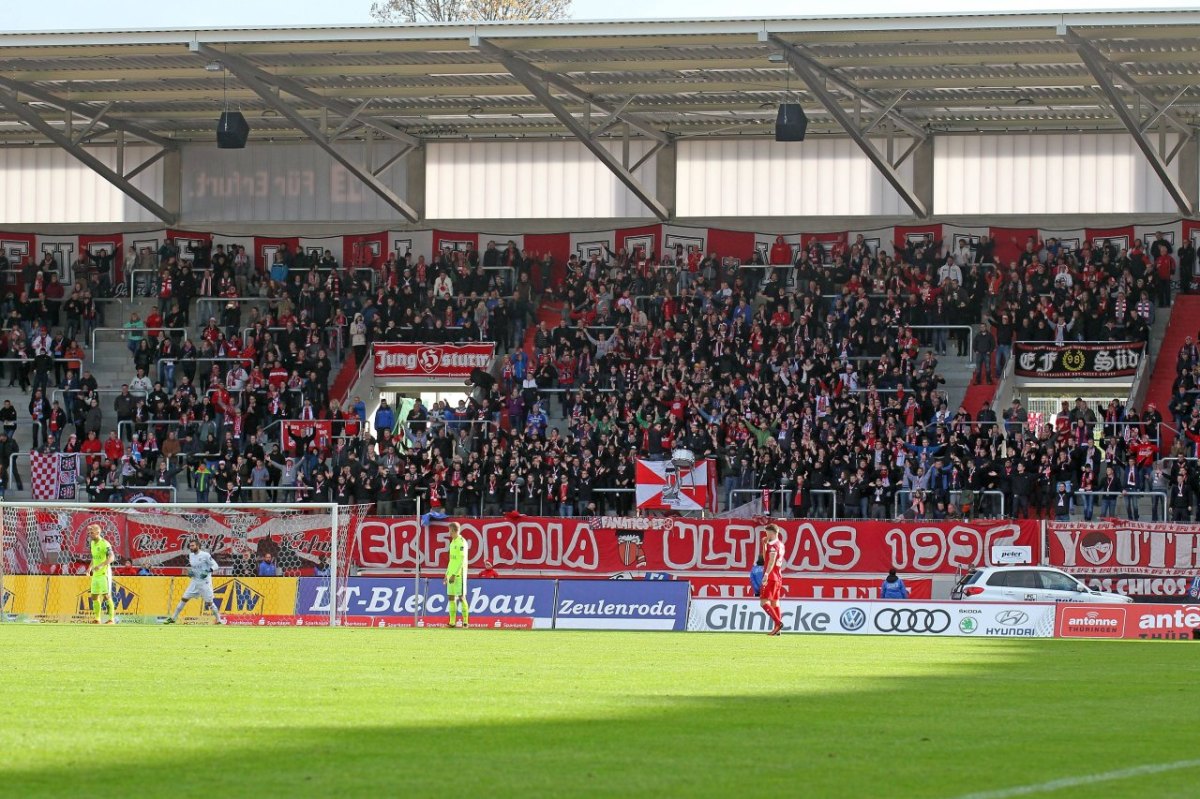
x=142 y=711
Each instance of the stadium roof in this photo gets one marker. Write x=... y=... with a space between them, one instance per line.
x=942 y=73
x=912 y=76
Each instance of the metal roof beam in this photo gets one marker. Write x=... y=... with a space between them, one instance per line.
x=794 y=53
x=1103 y=71
x=564 y=85
x=272 y=98
x=31 y=118
x=522 y=71
x=1093 y=55
x=85 y=111
x=340 y=107
x=816 y=85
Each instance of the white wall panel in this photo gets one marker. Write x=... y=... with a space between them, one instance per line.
x=819 y=177
x=45 y=185
x=530 y=180
x=1046 y=174
x=285 y=183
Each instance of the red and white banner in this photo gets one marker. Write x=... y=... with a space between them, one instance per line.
x=808 y=587
x=157 y=537
x=1098 y=548
x=523 y=546
x=372 y=248
x=297 y=432
x=55 y=476
x=432 y=360
x=663 y=485
x=1169 y=622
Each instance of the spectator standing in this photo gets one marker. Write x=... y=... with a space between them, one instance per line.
x=984 y=345
x=893 y=587
x=267 y=566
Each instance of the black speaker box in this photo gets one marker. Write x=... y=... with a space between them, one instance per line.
x=232 y=130
x=790 y=123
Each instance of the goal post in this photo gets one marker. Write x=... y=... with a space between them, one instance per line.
x=268 y=556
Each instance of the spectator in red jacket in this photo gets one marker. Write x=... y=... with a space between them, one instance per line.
x=113 y=448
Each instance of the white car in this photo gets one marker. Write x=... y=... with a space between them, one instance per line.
x=1029 y=584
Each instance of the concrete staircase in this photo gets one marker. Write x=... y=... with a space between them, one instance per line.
x=957 y=372
x=113 y=365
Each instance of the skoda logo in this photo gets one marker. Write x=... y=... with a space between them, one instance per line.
x=853 y=619
x=1012 y=618
x=968 y=625
x=912 y=621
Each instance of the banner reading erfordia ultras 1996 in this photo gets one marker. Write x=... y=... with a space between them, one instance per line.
x=1116 y=359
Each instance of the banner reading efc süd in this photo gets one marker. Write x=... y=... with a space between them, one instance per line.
x=397 y=602
x=901 y=617
x=1118 y=359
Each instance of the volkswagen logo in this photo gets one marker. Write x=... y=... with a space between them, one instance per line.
x=906 y=620
x=853 y=619
x=1012 y=618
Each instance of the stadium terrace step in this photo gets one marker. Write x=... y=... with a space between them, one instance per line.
x=1183 y=322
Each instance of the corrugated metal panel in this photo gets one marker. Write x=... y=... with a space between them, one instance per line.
x=818 y=177
x=45 y=185
x=1046 y=174
x=523 y=180
x=285 y=182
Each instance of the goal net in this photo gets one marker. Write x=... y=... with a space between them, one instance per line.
x=277 y=564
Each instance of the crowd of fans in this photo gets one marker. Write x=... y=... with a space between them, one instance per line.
x=814 y=375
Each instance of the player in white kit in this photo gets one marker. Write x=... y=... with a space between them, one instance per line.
x=200 y=568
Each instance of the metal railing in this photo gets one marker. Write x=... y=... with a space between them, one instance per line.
x=143 y=332
x=336 y=341
x=61 y=393
x=172 y=489
x=968 y=328
x=956 y=497
x=1159 y=501
x=785 y=495
x=132 y=425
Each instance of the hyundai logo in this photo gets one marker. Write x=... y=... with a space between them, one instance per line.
x=1012 y=618
x=853 y=619
x=912 y=621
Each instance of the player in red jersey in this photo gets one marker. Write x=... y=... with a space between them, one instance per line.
x=772 y=589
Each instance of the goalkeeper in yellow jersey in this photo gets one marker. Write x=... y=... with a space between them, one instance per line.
x=101 y=574
x=456 y=578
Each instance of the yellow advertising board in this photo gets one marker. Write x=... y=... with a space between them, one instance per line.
x=66 y=597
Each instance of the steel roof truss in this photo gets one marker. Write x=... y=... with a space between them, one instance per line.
x=271 y=96
x=816 y=80
x=567 y=87
x=538 y=86
x=31 y=118
x=1104 y=72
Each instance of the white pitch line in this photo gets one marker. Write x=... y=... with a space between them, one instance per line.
x=1090 y=779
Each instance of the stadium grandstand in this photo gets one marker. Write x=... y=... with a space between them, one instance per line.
x=948 y=300
x=402 y=349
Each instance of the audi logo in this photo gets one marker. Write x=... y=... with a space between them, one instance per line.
x=905 y=620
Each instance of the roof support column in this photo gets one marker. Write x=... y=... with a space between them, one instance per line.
x=665 y=172
x=415 y=190
x=922 y=167
x=1189 y=171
